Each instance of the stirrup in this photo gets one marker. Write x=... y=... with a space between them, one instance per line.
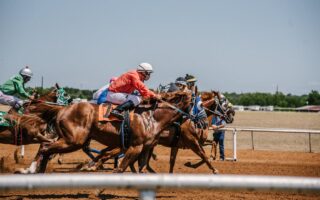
x=117 y=114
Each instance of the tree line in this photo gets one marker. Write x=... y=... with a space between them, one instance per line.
x=278 y=99
x=257 y=98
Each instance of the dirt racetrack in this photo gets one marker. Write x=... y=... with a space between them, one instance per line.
x=289 y=159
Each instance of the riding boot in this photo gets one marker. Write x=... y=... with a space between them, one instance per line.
x=117 y=112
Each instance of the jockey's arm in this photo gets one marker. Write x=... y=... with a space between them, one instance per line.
x=20 y=89
x=143 y=90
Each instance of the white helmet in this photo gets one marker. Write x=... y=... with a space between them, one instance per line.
x=26 y=72
x=145 y=67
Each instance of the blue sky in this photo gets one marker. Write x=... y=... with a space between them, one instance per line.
x=233 y=46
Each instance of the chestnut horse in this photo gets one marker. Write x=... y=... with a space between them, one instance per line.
x=24 y=130
x=191 y=134
x=76 y=123
x=28 y=128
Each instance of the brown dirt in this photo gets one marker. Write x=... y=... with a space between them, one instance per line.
x=286 y=162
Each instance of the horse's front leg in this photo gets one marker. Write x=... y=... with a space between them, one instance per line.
x=173 y=156
x=130 y=156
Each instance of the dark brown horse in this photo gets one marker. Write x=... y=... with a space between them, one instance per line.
x=78 y=122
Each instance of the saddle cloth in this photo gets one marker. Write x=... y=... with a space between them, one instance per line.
x=104 y=112
x=5 y=108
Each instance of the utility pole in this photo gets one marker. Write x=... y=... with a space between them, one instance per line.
x=42 y=82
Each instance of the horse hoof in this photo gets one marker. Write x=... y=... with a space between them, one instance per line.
x=88 y=169
x=215 y=171
x=22 y=171
x=212 y=158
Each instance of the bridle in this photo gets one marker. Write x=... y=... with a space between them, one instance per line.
x=223 y=113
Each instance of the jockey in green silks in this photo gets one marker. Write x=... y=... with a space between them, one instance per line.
x=14 y=86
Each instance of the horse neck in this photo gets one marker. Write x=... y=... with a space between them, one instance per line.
x=46 y=111
x=165 y=116
x=48 y=97
x=208 y=104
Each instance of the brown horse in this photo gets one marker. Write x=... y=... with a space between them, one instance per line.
x=25 y=130
x=78 y=122
x=28 y=128
x=191 y=134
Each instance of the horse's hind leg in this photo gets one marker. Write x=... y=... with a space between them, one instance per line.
x=213 y=151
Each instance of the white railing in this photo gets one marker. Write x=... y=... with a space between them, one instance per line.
x=148 y=183
x=235 y=130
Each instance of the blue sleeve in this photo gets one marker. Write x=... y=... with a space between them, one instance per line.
x=214 y=120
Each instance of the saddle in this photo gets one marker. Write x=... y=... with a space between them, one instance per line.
x=124 y=132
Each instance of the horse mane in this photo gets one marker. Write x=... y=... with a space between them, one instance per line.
x=206 y=96
x=47 y=111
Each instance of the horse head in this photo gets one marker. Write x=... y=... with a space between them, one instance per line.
x=56 y=95
x=216 y=105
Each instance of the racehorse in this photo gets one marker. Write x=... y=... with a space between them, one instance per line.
x=78 y=122
x=191 y=134
x=28 y=128
x=24 y=129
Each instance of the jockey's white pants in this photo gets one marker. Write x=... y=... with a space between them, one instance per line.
x=120 y=98
x=10 y=100
x=96 y=95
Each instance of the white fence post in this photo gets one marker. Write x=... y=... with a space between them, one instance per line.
x=234 y=144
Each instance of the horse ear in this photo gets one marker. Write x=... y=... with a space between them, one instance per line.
x=57 y=86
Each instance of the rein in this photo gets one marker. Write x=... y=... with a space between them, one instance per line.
x=190 y=116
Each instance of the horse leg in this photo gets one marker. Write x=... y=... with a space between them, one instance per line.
x=151 y=154
x=173 y=156
x=144 y=158
x=60 y=146
x=197 y=148
x=213 y=149
x=98 y=161
x=130 y=156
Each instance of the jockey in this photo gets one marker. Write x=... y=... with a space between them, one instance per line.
x=15 y=85
x=179 y=84
x=121 y=90
x=191 y=80
x=197 y=109
x=98 y=96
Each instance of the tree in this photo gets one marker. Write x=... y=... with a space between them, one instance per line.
x=313 y=98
